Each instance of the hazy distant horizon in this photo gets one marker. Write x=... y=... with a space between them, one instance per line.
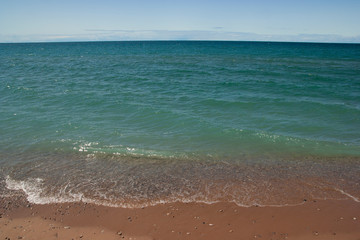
x=182 y=36
x=109 y=20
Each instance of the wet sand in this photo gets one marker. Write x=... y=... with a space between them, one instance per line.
x=314 y=219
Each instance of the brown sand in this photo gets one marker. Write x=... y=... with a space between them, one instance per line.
x=321 y=220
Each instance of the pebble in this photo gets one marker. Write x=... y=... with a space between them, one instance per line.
x=67 y=227
x=230 y=231
x=354 y=218
x=210 y=224
x=119 y=233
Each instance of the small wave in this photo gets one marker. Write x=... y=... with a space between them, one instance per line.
x=35 y=193
x=120 y=150
x=33 y=189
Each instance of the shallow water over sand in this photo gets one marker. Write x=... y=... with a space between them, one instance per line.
x=137 y=181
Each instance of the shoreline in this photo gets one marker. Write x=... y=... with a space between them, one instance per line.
x=315 y=219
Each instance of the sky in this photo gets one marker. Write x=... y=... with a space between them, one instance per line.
x=116 y=20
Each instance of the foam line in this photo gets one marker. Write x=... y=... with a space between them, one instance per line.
x=348 y=195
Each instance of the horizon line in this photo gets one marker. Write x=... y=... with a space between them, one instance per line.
x=178 y=40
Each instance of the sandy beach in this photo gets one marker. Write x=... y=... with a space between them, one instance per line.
x=314 y=219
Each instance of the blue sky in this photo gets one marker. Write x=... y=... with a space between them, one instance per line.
x=264 y=20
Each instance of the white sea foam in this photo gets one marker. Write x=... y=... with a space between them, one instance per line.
x=33 y=189
x=35 y=193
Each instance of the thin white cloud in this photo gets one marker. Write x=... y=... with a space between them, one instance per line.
x=218 y=34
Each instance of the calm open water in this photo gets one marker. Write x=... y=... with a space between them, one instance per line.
x=138 y=123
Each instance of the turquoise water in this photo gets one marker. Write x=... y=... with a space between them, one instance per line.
x=152 y=107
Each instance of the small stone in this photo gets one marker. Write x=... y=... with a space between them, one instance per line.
x=221 y=210
x=188 y=233
x=19 y=237
x=210 y=224
x=230 y=231
x=67 y=227
x=316 y=233
x=81 y=236
x=119 y=233
x=354 y=218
